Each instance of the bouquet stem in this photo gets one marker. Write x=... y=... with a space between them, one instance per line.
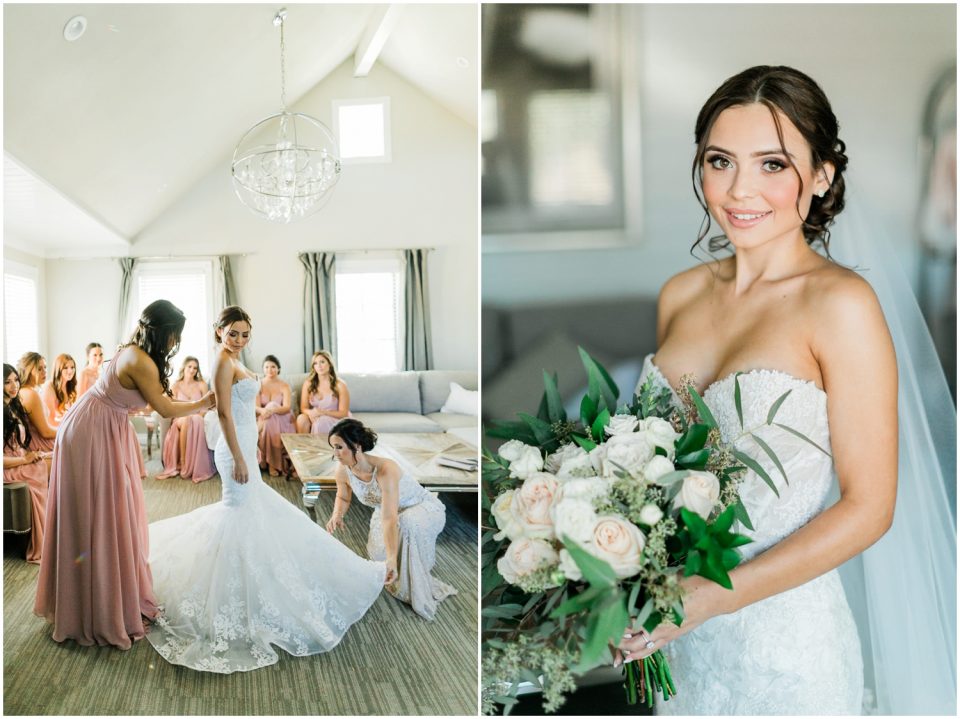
x=648 y=675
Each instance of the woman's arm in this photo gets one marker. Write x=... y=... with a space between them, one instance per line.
x=343 y=409
x=853 y=348
x=30 y=399
x=10 y=462
x=305 y=402
x=137 y=368
x=49 y=398
x=342 y=502
x=284 y=407
x=222 y=386
x=389 y=480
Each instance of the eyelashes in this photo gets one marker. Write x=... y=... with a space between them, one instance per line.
x=722 y=162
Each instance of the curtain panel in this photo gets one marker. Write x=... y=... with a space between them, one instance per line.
x=319 y=304
x=228 y=296
x=418 y=347
x=126 y=287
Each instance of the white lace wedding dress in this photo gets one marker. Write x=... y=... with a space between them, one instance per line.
x=252 y=572
x=793 y=653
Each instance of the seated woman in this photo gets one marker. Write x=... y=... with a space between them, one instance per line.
x=32 y=371
x=21 y=464
x=91 y=372
x=185 y=450
x=406 y=517
x=324 y=399
x=60 y=392
x=273 y=418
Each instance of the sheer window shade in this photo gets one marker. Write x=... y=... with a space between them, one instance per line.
x=369 y=315
x=20 y=317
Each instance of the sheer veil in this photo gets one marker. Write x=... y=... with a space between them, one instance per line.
x=903 y=590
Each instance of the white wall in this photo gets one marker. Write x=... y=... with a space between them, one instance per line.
x=426 y=197
x=875 y=63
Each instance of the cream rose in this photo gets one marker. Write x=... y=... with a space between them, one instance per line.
x=574 y=518
x=659 y=433
x=524 y=557
x=503 y=511
x=512 y=450
x=579 y=466
x=587 y=489
x=650 y=514
x=621 y=424
x=569 y=567
x=657 y=467
x=555 y=461
x=528 y=462
x=532 y=504
x=619 y=543
x=699 y=493
x=629 y=452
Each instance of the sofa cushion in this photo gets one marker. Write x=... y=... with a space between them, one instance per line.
x=397 y=422
x=394 y=392
x=449 y=420
x=435 y=386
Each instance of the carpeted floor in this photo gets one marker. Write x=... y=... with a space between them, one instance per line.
x=391 y=662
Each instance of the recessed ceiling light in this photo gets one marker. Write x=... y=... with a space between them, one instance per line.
x=463 y=62
x=74 y=28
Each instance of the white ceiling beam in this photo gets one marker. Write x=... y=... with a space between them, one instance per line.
x=381 y=24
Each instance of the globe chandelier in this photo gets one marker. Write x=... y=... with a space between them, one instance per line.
x=285 y=167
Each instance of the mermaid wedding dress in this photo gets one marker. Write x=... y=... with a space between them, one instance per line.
x=797 y=652
x=252 y=572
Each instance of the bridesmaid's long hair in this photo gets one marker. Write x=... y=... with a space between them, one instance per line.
x=160 y=322
x=14 y=416
x=186 y=359
x=313 y=381
x=27 y=367
x=66 y=396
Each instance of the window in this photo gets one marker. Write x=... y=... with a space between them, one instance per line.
x=362 y=128
x=369 y=314
x=21 y=321
x=188 y=285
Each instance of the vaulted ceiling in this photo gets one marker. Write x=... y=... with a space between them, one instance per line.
x=103 y=134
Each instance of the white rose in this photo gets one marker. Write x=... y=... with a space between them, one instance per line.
x=629 y=452
x=587 y=489
x=700 y=493
x=650 y=514
x=511 y=450
x=532 y=504
x=554 y=461
x=527 y=463
x=503 y=511
x=657 y=467
x=621 y=424
x=659 y=433
x=524 y=557
x=578 y=466
x=619 y=543
x=574 y=518
x=569 y=567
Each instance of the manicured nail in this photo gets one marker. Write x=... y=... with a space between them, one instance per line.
x=628 y=636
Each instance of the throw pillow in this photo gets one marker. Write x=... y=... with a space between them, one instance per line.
x=461 y=401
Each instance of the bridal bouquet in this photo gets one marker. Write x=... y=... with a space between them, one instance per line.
x=591 y=522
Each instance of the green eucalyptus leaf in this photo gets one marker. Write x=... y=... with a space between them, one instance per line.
x=551 y=395
x=511 y=429
x=584 y=600
x=671 y=478
x=776 y=406
x=502 y=611
x=644 y=614
x=595 y=571
x=736 y=397
x=602 y=420
x=742 y=515
x=587 y=444
x=600 y=386
x=802 y=436
x=588 y=410
x=693 y=460
x=702 y=408
x=634 y=595
x=693 y=439
x=755 y=466
x=772 y=455
x=606 y=625
x=543 y=431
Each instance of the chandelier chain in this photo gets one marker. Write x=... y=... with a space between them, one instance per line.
x=283 y=70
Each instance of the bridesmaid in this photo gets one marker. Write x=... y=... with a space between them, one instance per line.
x=60 y=392
x=95 y=584
x=185 y=450
x=32 y=370
x=91 y=372
x=273 y=419
x=19 y=464
x=324 y=399
x=406 y=517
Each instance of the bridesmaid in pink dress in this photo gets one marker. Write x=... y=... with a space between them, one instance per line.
x=91 y=372
x=60 y=392
x=20 y=465
x=324 y=398
x=32 y=369
x=185 y=450
x=95 y=584
x=273 y=419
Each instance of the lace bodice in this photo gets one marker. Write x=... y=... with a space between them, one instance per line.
x=368 y=493
x=242 y=409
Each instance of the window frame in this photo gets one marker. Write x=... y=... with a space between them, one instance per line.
x=384 y=102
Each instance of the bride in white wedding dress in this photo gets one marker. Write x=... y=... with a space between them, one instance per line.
x=252 y=572
x=779 y=316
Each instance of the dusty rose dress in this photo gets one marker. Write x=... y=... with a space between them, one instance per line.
x=197 y=462
x=95 y=582
x=268 y=441
x=37 y=443
x=35 y=476
x=323 y=425
x=88 y=377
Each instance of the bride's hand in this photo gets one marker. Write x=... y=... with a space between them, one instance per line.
x=700 y=603
x=335 y=523
x=392 y=573
x=240 y=471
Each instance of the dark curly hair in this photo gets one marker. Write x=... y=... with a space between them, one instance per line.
x=271 y=358
x=14 y=416
x=160 y=322
x=802 y=101
x=354 y=434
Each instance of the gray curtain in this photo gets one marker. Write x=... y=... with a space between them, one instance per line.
x=417 y=349
x=319 y=304
x=228 y=296
x=126 y=285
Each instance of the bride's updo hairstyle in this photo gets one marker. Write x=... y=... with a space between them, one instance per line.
x=804 y=103
x=158 y=334
x=229 y=315
x=354 y=434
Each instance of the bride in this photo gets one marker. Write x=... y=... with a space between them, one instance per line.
x=252 y=572
x=778 y=316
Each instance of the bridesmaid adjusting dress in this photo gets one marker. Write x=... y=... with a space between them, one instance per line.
x=185 y=450
x=273 y=419
x=324 y=398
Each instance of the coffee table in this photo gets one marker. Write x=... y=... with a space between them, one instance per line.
x=417 y=453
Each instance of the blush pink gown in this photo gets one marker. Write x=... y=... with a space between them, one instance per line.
x=197 y=462
x=37 y=443
x=268 y=441
x=95 y=582
x=35 y=476
x=323 y=425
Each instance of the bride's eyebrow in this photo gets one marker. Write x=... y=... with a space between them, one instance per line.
x=759 y=153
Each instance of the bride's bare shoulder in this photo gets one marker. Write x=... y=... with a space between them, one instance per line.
x=843 y=304
x=687 y=286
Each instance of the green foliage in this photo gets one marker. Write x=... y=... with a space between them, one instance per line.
x=705 y=414
x=708 y=548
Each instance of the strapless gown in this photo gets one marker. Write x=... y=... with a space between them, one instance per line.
x=252 y=572
x=797 y=652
